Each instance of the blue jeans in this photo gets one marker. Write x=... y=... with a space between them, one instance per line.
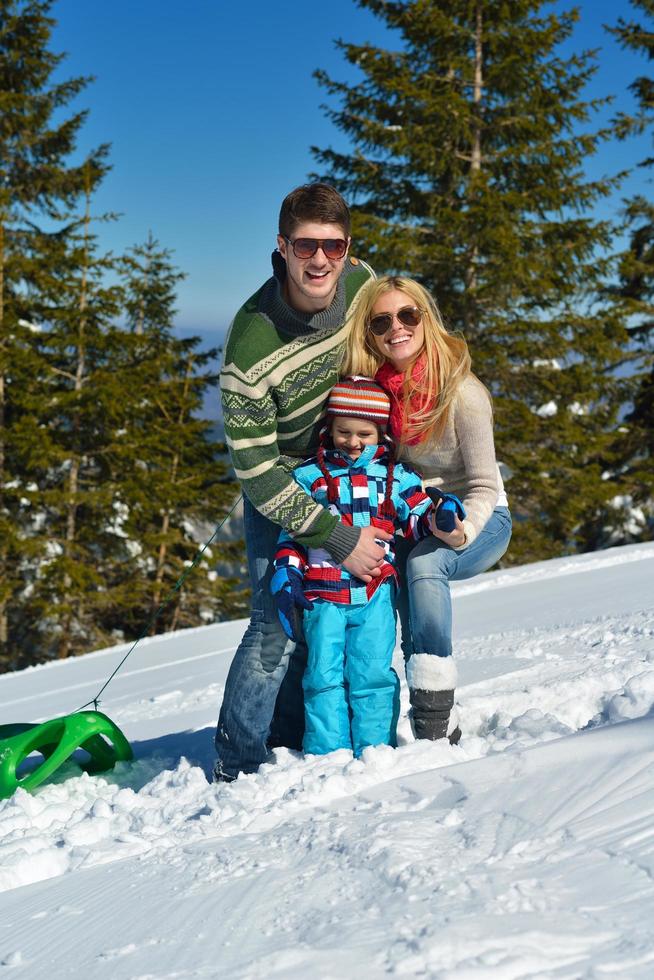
x=426 y=570
x=263 y=704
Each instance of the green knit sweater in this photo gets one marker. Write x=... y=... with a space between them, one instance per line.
x=278 y=369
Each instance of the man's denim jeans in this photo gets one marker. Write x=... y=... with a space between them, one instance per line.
x=262 y=705
x=426 y=570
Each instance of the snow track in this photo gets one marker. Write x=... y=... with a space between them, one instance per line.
x=527 y=851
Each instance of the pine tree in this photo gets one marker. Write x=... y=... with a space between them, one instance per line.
x=636 y=290
x=467 y=172
x=79 y=409
x=107 y=472
x=150 y=280
x=36 y=182
x=171 y=476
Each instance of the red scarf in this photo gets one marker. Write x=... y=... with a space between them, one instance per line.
x=392 y=381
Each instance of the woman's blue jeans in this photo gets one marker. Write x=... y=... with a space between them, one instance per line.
x=426 y=570
x=263 y=704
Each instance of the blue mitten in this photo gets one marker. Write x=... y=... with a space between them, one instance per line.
x=450 y=505
x=286 y=587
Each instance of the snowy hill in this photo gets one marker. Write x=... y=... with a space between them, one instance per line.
x=527 y=851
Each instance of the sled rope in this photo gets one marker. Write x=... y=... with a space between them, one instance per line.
x=169 y=598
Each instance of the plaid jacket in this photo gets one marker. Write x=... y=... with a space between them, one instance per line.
x=361 y=488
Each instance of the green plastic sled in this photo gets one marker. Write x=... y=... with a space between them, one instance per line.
x=56 y=740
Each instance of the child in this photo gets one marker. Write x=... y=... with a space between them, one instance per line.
x=351 y=691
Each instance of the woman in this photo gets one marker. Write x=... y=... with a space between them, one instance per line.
x=441 y=417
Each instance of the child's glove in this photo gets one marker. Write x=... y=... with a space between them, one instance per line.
x=286 y=587
x=450 y=505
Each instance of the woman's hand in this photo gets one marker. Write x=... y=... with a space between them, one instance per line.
x=454 y=538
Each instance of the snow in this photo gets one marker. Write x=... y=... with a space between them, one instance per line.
x=550 y=362
x=527 y=851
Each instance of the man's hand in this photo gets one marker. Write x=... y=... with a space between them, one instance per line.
x=366 y=558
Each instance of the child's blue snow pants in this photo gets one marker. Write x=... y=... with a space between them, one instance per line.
x=351 y=692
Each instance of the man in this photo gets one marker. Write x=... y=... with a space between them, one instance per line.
x=282 y=358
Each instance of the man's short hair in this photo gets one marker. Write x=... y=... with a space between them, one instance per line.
x=317 y=202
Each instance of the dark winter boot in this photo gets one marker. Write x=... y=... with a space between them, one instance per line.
x=431 y=689
x=432 y=711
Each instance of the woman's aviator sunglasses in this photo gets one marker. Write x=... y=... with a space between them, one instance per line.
x=408 y=316
x=306 y=248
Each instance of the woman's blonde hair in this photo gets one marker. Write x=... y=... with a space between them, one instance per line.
x=446 y=357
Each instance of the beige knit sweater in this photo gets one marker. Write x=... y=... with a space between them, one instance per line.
x=463 y=460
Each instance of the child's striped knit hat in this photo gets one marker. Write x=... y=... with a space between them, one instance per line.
x=360 y=397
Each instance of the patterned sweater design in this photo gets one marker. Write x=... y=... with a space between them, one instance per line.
x=278 y=369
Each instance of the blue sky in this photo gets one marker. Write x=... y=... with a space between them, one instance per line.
x=210 y=108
